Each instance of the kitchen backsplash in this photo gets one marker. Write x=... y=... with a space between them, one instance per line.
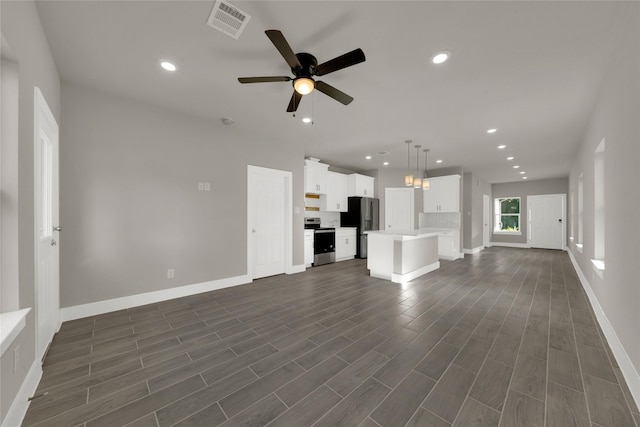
x=327 y=219
x=440 y=220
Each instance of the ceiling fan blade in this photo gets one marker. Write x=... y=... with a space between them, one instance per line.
x=295 y=100
x=334 y=93
x=264 y=79
x=343 y=61
x=283 y=47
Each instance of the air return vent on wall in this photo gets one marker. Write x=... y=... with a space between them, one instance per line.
x=228 y=18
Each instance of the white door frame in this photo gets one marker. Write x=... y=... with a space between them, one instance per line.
x=564 y=217
x=45 y=123
x=486 y=220
x=288 y=201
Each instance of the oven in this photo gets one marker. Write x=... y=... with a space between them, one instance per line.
x=324 y=242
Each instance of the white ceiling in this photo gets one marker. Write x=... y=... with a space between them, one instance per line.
x=530 y=69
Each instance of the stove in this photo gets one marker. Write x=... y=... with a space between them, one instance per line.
x=324 y=242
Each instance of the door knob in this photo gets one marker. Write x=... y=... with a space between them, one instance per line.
x=53 y=242
x=58 y=228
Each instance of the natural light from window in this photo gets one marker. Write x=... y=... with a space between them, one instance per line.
x=507 y=215
x=599 y=204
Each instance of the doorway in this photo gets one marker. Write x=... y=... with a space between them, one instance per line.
x=546 y=221
x=269 y=240
x=486 y=221
x=47 y=226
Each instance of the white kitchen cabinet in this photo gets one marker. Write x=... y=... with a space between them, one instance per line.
x=360 y=185
x=443 y=194
x=308 y=248
x=345 y=243
x=315 y=177
x=336 y=198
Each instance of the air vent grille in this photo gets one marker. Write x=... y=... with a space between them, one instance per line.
x=228 y=19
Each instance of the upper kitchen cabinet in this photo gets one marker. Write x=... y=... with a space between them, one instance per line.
x=335 y=199
x=315 y=177
x=443 y=194
x=360 y=185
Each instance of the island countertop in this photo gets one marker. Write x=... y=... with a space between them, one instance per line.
x=409 y=234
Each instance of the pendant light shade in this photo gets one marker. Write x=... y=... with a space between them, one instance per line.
x=417 y=182
x=408 y=178
x=425 y=181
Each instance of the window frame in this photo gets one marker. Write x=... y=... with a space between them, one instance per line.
x=497 y=215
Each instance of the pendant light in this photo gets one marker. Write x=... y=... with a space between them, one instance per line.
x=408 y=179
x=425 y=181
x=417 y=182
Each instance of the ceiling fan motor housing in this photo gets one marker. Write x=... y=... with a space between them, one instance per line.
x=308 y=64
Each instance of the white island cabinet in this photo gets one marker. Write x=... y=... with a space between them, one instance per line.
x=402 y=256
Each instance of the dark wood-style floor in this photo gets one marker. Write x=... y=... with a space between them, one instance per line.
x=502 y=338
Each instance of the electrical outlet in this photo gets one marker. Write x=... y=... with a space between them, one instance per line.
x=201 y=186
x=207 y=186
x=16 y=358
x=171 y=273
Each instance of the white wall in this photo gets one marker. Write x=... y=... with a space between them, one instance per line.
x=615 y=119
x=22 y=30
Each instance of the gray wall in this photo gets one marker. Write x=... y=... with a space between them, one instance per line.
x=616 y=120
x=472 y=214
x=22 y=30
x=523 y=189
x=130 y=204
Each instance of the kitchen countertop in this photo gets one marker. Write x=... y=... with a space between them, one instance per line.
x=409 y=234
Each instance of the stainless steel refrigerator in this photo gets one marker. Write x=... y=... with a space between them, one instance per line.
x=364 y=215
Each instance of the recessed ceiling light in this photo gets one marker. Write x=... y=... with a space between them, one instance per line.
x=516 y=166
x=522 y=172
x=440 y=57
x=438 y=161
x=492 y=130
x=524 y=177
x=368 y=157
x=501 y=147
x=306 y=120
x=510 y=158
x=168 y=66
x=386 y=163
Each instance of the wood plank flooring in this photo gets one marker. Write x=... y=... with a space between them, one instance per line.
x=502 y=338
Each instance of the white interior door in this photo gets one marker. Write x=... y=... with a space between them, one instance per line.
x=269 y=225
x=398 y=209
x=486 y=221
x=46 y=224
x=546 y=221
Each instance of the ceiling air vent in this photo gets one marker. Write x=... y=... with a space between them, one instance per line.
x=228 y=18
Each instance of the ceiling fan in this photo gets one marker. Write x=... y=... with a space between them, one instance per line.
x=304 y=66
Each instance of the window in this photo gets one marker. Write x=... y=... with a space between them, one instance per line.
x=507 y=215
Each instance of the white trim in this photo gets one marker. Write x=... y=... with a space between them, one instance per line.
x=407 y=277
x=511 y=245
x=11 y=323
x=508 y=233
x=475 y=250
x=106 y=306
x=294 y=269
x=629 y=372
x=20 y=404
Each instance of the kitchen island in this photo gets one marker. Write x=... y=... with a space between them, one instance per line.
x=402 y=256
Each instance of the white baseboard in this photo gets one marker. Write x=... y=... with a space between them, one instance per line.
x=511 y=245
x=407 y=277
x=100 y=307
x=475 y=250
x=20 y=404
x=626 y=365
x=294 y=269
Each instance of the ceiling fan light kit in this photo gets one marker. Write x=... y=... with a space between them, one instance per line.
x=304 y=66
